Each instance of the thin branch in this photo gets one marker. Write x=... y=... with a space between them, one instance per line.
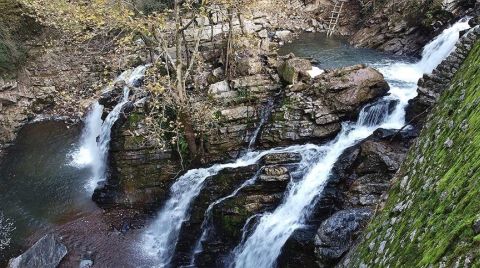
x=195 y=52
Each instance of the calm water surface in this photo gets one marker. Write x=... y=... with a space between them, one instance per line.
x=335 y=52
x=39 y=189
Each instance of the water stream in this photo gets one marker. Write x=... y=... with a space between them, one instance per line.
x=263 y=246
x=48 y=175
x=266 y=111
x=39 y=189
x=160 y=239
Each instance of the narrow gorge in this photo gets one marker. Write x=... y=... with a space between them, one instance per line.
x=238 y=134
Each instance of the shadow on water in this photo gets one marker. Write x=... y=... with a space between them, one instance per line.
x=335 y=52
x=38 y=187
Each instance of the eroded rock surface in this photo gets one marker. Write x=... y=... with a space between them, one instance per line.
x=313 y=111
x=360 y=177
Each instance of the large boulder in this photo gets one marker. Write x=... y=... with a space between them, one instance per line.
x=46 y=253
x=292 y=70
x=313 y=110
x=337 y=234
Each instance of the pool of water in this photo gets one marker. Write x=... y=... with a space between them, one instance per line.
x=39 y=189
x=335 y=52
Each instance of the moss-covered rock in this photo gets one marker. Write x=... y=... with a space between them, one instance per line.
x=430 y=215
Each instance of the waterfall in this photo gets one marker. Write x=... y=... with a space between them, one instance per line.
x=444 y=44
x=246 y=226
x=207 y=220
x=266 y=111
x=264 y=245
x=161 y=237
x=88 y=152
x=95 y=140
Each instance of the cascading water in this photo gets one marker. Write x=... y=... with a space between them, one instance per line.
x=263 y=118
x=264 y=245
x=207 y=220
x=95 y=140
x=161 y=237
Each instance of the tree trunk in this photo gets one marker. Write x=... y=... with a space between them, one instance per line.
x=189 y=133
x=179 y=63
x=182 y=99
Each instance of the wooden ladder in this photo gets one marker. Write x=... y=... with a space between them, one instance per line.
x=337 y=10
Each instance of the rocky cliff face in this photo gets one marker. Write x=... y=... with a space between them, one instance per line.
x=52 y=78
x=359 y=179
x=404 y=27
x=430 y=217
x=140 y=174
x=313 y=111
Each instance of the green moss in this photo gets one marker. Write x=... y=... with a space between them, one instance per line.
x=134 y=118
x=439 y=184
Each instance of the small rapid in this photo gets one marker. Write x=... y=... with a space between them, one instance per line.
x=263 y=246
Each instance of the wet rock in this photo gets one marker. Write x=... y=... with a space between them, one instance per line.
x=476 y=227
x=299 y=250
x=336 y=235
x=274 y=174
x=140 y=174
x=230 y=216
x=388 y=29
x=46 y=252
x=281 y=158
x=283 y=35
x=215 y=187
x=393 y=134
x=359 y=178
x=113 y=96
x=85 y=264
